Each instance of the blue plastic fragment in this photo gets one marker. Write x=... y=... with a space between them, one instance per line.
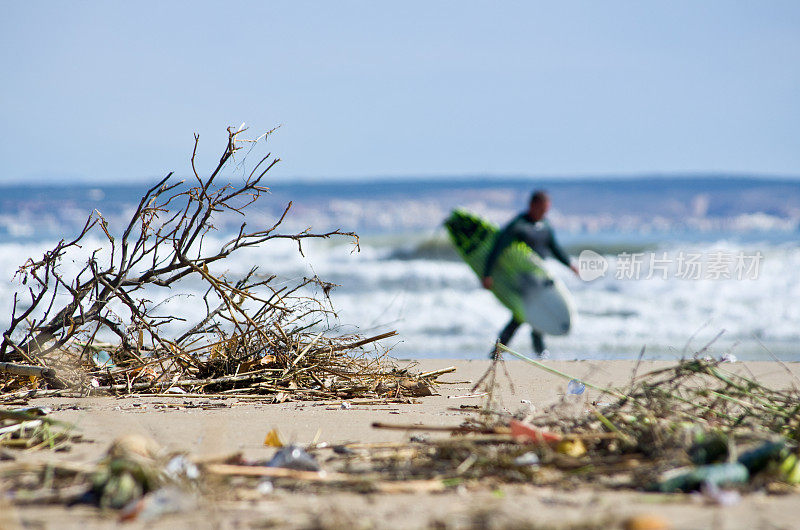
x=575 y=387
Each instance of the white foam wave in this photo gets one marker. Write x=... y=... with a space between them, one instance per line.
x=439 y=309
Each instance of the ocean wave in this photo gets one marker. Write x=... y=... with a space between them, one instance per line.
x=408 y=277
x=439 y=308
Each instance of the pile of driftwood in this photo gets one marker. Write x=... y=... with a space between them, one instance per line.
x=101 y=330
x=692 y=426
x=695 y=425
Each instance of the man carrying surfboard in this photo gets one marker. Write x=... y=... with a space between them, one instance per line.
x=531 y=228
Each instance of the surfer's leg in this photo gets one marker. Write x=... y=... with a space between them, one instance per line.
x=505 y=336
x=508 y=332
x=538 y=342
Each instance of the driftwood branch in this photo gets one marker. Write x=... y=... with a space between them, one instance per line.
x=27 y=370
x=254 y=335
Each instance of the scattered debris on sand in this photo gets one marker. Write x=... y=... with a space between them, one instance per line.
x=693 y=427
x=29 y=428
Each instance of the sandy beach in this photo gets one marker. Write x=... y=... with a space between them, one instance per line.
x=206 y=426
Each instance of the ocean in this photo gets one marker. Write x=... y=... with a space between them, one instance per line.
x=691 y=262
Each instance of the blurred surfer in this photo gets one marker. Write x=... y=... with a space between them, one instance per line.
x=531 y=228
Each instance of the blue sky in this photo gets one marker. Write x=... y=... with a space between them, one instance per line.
x=115 y=90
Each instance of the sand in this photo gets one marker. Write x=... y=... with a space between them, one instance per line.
x=206 y=426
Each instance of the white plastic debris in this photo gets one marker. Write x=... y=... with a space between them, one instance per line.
x=161 y=502
x=527 y=459
x=294 y=457
x=180 y=467
x=720 y=497
x=265 y=487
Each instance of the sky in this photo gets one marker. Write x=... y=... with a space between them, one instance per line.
x=114 y=91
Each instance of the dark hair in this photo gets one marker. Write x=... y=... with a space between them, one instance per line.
x=539 y=196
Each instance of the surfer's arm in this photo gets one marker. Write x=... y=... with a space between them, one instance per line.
x=557 y=251
x=504 y=238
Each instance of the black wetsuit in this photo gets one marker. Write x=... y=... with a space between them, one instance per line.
x=540 y=237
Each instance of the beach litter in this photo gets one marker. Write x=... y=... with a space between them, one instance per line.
x=31 y=429
x=527 y=459
x=575 y=387
x=692 y=428
x=294 y=457
x=134 y=465
x=273 y=439
x=687 y=428
x=163 y=501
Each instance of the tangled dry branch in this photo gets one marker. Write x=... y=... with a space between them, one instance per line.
x=254 y=334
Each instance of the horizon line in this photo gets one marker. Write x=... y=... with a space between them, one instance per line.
x=442 y=178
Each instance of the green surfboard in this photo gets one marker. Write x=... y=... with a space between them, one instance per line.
x=522 y=283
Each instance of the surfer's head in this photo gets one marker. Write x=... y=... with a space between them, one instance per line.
x=540 y=203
